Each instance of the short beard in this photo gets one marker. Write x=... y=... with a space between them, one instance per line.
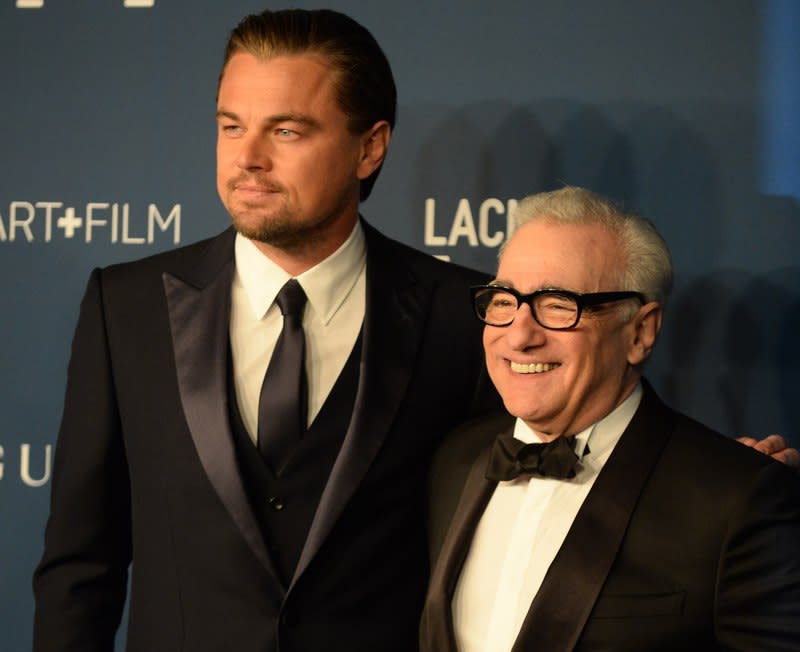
x=282 y=231
x=281 y=228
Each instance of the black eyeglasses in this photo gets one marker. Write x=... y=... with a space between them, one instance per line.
x=556 y=310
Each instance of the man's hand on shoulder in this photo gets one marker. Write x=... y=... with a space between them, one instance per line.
x=775 y=447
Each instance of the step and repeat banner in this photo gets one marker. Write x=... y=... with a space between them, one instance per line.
x=687 y=111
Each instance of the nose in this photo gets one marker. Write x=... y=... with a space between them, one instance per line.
x=525 y=332
x=254 y=153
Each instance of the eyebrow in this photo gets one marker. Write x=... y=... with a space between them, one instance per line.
x=509 y=284
x=504 y=282
x=276 y=119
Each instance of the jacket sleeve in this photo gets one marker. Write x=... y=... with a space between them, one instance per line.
x=758 y=589
x=80 y=582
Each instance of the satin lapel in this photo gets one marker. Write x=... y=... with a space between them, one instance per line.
x=569 y=591
x=396 y=311
x=437 y=634
x=199 y=312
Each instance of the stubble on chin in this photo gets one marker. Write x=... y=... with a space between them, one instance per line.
x=253 y=219
x=278 y=229
x=282 y=226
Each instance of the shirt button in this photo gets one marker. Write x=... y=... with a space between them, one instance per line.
x=276 y=503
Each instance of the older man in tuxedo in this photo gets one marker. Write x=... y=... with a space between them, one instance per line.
x=599 y=518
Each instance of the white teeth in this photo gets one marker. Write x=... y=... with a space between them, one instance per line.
x=532 y=368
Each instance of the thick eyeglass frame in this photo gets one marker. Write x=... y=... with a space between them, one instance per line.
x=588 y=300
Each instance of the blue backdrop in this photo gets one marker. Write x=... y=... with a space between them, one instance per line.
x=685 y=110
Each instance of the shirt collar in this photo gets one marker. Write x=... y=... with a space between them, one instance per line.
x=604 y=433
x=326 y=285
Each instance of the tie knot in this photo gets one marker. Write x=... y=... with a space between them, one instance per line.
x=291 y=298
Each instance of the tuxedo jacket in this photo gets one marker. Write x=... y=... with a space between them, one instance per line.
x=687 y=541
x=146 y=481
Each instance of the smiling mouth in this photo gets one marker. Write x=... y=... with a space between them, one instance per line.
x=533 y=367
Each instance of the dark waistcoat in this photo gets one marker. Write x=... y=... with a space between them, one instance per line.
x=285 y=505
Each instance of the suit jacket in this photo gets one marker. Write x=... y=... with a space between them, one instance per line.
x=687 y=541
x=145 y=471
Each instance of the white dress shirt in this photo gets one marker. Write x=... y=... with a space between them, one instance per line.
x=520 y=533
x=336 y=291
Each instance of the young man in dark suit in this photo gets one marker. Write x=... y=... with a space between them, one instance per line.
x=164 y=463
x=598 y=518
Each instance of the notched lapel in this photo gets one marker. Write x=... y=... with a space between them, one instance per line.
x=199 y=322
x=574 y=580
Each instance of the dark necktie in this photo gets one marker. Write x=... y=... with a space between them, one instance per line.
x=282 y=403
x=511 y=457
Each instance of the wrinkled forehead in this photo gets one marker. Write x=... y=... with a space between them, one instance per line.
x=549 y=254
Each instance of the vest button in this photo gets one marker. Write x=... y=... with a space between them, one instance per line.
x=276 y=503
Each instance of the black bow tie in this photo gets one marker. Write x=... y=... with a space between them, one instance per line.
x=511 y=457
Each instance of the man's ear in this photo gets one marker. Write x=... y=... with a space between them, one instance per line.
x=374 y=145
x=645 y=326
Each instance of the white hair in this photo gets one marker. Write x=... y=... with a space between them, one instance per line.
x=646 y=266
